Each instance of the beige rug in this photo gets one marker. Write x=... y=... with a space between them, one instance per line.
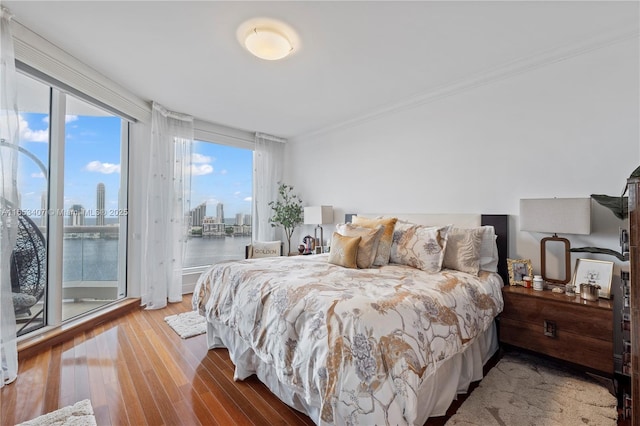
x=526 y=390
x=187 y=324
x=78 y=414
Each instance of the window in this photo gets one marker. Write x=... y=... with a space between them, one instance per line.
x=72 y=196
x=221 y=191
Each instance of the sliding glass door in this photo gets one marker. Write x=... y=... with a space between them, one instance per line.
x=71 y=258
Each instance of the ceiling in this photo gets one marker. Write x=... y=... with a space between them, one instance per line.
x=355 y=58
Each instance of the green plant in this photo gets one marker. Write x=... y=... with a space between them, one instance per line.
x=287 y=211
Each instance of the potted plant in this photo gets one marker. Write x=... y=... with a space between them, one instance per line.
x=287 y=211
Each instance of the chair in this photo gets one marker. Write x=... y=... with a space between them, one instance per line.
x=264 y=249
x=28 y=267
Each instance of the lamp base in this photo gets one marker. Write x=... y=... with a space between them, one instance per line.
x=567 y=259
x=315 y=235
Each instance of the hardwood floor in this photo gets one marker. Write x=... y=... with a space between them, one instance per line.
x=137 y=371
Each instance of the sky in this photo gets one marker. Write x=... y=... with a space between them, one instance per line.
x=92 y=155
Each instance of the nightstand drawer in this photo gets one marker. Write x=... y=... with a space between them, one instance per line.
x=568 y=317
x=576 y=348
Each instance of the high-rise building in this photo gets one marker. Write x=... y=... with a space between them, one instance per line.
x=198 y=214
x=220 y=212
x=239 y=219
x=76 y=215
x=247 y=219
x=100 y=211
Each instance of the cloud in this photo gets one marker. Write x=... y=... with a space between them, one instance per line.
x=223 y=172
x=100 y=167
x=27 y=134
x=248 y=199
x=199 y=158
x=38 y=175
x=201 y=169
x=70 y=118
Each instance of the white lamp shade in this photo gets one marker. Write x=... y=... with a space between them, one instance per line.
x=267 y=44
x=318 y=215
x=556 y=215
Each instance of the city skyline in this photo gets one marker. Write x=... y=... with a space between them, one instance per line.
x=220 y=174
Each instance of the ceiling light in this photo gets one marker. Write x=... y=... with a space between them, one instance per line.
x=268 y=44
x=268 y=38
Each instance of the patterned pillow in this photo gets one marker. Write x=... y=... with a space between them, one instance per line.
x=384 y=246
x=344 y=250
x=401 y=227
x=463 y=250
x=265 y=249
x=422 y=247
x=368 y=244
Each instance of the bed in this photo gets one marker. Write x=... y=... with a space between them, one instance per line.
x=389 y=344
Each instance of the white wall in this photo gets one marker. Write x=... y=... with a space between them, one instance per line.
x=565 y=129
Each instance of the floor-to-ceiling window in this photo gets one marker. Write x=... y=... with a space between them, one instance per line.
x=221 y=200
x=73 y=189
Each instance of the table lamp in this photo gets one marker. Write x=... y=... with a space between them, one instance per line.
x=318 y=215
x=553 y=216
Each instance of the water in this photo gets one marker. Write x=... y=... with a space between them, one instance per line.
x=89 y=259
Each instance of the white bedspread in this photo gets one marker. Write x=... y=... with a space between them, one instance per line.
x=356 y=344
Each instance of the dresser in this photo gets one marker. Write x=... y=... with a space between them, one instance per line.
x=634 y=302
x=564 y=327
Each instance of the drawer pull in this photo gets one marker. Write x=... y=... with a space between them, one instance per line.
x=549 y=328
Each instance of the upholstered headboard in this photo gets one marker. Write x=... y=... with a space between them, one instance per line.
x=500 y=222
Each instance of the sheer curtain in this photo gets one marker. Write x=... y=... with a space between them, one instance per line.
x=8 y=198
x=267 y=173
x=166 y=208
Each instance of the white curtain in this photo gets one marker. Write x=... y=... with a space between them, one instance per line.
x=8 y=198
x=267 y=173
x=166 y=210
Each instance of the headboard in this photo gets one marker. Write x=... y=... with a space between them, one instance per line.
x=500 y=222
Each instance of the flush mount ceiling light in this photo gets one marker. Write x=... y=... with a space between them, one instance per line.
x=267 y=38
x=267 y=44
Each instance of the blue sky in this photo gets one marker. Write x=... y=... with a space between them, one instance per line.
x=92 y=155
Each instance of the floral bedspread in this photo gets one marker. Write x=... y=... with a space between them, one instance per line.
x=356 y=342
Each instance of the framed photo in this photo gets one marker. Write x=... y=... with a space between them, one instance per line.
x=598 y=272
x=519 y=268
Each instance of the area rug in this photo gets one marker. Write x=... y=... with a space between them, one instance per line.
x=526 y=390
x=78 y=414
x=187 y=324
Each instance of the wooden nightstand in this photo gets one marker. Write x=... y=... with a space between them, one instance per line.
x=561 y=326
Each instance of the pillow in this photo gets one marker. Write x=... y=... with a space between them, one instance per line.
x=422 y=247
x=463 y=250
x=399 y=230
x=368 y=244
x=384 y=246
x=344 y=250
x=489 y=250
x=264 y=249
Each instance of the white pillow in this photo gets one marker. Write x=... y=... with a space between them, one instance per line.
x=264 y=249
x=489 y=250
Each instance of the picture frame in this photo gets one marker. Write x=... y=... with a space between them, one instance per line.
x=592 y=271
x=519 y=268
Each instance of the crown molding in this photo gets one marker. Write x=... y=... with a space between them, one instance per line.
x=493 y=75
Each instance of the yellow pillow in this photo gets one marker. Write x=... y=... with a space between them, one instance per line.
x=344 y=250
x=368 y=245
x=384 y=246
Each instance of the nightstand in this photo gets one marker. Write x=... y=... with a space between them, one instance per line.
x=565 y=327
